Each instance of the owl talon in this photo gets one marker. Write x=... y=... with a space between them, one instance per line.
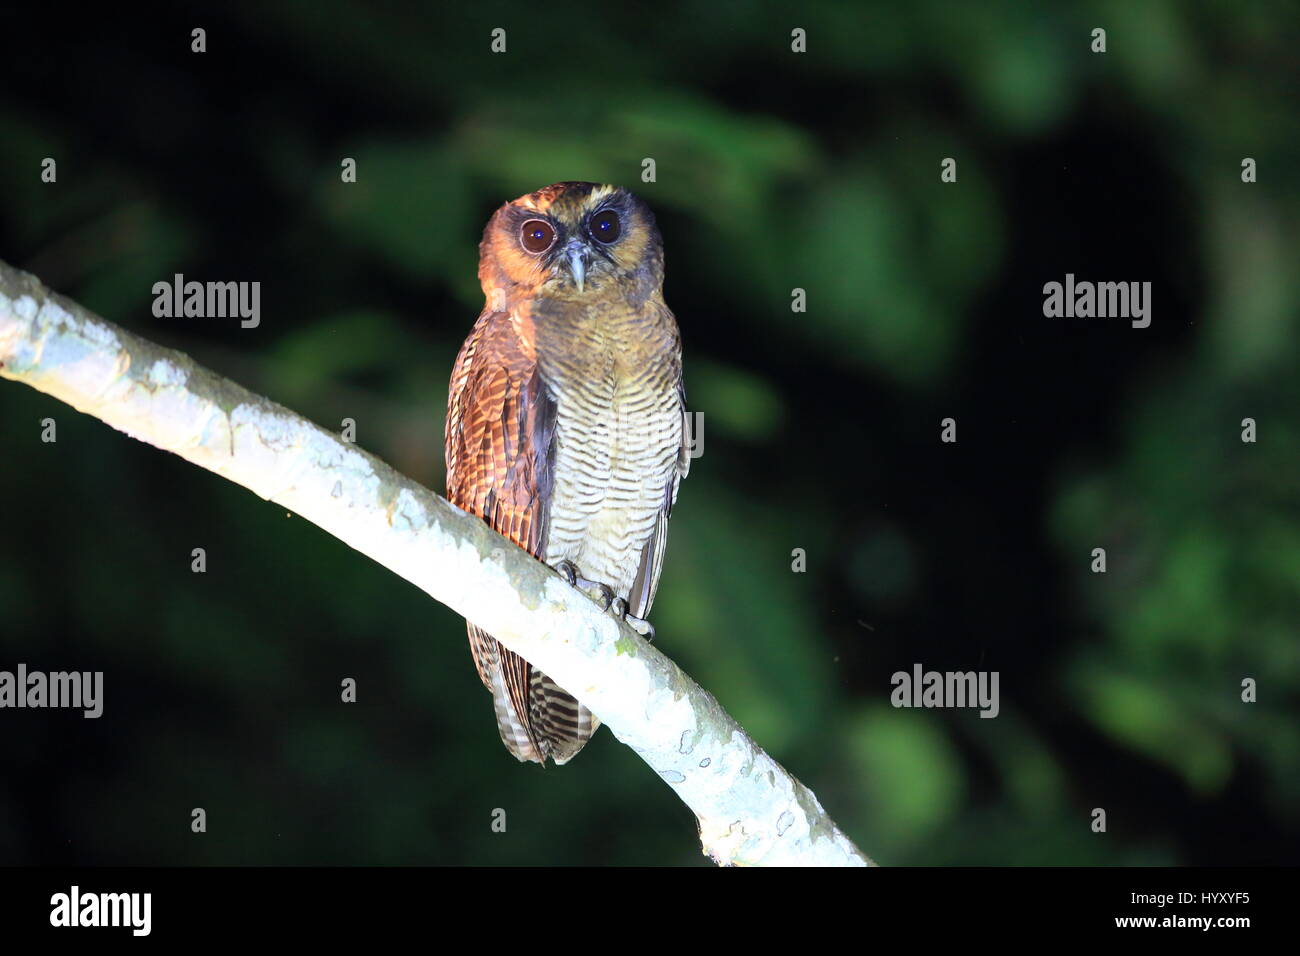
x=569 y=570
x=602 y=594
x=640 y=625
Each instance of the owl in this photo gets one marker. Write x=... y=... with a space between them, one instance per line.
x=566 y=424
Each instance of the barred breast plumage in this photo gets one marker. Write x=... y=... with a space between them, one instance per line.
x=619 y=435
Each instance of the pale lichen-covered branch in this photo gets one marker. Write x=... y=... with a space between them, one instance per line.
x=750 y=810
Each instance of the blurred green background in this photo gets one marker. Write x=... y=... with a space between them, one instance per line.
x=775 y=170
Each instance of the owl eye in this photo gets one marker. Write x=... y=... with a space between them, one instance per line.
x=536 y=236
x=605 y=226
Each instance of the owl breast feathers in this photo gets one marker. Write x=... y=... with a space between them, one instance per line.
x=566 y=423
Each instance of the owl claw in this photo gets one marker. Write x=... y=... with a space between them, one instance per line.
x=640 y=625
x=569 y=570
x=602 y=594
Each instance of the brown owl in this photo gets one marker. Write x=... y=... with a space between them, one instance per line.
x=566 y=424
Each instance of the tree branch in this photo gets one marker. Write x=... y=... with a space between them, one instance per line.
x=750 y=810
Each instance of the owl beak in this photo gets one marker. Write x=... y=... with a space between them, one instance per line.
x=577 y=257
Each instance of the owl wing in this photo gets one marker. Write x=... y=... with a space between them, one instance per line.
x=500 y=446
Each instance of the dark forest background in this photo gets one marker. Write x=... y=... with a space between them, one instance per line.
x=775 y=170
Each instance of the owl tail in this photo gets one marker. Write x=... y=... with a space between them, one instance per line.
x=552 y=723
x=564 y=725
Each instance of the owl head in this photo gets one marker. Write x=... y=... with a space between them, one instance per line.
x=572 y=240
